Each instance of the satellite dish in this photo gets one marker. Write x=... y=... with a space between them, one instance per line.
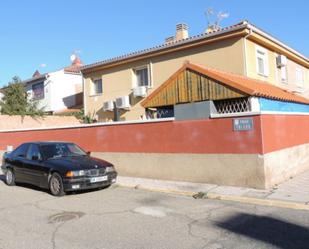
x=73 y=57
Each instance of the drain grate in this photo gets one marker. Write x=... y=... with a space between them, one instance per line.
x=65 y=216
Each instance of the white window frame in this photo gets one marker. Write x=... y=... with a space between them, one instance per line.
x=134 y=78
x=299 y=77
x=262 y=53
x=93 y=92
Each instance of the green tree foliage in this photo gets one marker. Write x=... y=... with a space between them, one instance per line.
x=16 y=102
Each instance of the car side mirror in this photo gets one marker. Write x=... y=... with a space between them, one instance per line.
x=88 y=153
x=35 y=158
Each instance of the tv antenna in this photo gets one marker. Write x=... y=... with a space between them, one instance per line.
x=75 y=54
x=214 y=19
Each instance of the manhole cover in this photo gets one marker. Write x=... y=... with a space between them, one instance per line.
x=65 y=216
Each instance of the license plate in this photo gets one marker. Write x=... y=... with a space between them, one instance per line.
x=98 y=179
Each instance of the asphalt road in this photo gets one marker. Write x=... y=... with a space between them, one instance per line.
x=130 y=218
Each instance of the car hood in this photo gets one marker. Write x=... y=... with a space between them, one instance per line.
x=78 y=163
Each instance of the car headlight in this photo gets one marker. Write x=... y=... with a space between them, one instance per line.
x=110 y=169
x=75 y=173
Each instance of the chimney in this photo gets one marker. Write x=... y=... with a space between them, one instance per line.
x=181 y=31
x=36 y=74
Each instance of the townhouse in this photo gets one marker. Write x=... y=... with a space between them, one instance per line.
x=122 y=83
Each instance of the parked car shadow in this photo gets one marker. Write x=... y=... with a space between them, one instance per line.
x=32 y=187
x=35 y=188
x=2 y=178
x=272 y=231
x=86 y=191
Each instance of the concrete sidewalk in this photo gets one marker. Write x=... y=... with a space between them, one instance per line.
x=291 y=194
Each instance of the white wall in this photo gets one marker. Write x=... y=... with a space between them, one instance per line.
x=63 y=89
x=59 y=90
x=42 y=103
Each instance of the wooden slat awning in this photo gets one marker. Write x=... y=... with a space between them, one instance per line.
x=193 y=83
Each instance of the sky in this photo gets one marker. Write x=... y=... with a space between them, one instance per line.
x=43 y=34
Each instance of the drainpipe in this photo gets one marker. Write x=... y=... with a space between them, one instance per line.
x=245 y=50
x=116 y=112
x=84 y=94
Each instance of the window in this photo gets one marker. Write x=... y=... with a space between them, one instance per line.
x=38 y=91
x=21 y=151
x=61 y=150
x=33 y=152
x=299 y=77
x=261 y=61
x=97 y=86
x=142 y=77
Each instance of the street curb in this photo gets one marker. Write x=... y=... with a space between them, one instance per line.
x=234 y=198
x=166 y=191
x=259 y=201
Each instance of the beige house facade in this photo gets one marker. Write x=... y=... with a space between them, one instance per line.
x=243 y=49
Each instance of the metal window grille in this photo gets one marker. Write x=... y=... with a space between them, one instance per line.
x=233 y=105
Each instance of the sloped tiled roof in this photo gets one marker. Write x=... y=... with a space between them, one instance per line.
x=165 y=46
x=75 y=66
x=243 y=84
x=35 y=78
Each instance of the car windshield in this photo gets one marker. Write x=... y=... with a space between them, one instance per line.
x=55 y=150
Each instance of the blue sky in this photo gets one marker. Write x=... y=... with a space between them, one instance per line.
x=33 y=33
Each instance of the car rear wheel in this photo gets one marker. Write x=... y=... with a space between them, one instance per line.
x=10 y=177
x=56 y=185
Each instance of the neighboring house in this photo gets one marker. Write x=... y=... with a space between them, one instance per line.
x=242 y=49
x=57 y=91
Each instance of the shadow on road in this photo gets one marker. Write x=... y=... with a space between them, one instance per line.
x=281 y=234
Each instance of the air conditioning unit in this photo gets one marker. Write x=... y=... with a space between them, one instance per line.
x=108 y=106
x=140 y=91
x=281 y=60
x=123 y=102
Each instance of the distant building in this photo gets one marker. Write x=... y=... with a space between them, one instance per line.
x=57 y=91
x=241 y=49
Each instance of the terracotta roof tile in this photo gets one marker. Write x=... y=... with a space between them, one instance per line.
x=75 y=66
x=239 y=25
x=236 y=27
x=72 y=69
x=249 y=86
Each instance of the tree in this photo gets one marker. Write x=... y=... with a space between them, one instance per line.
x=15 y=100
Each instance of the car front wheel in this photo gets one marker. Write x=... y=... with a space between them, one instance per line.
x=10 y=177
x=56 y=185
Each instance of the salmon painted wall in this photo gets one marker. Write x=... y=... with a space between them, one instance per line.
x=213 y=136
x=283 y=131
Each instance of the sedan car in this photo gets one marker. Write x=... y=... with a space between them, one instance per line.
x=58 y=166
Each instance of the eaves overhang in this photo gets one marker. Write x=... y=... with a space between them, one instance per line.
x=241 y=29
x=226 y=33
